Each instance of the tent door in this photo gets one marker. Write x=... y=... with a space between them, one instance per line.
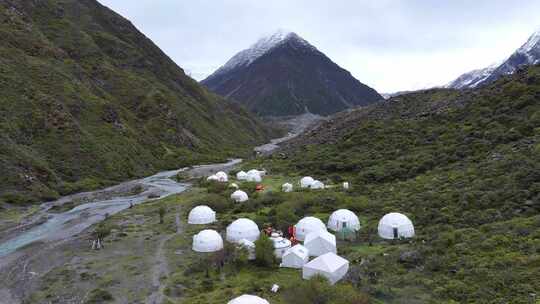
x=395 y=232
x=344 y=225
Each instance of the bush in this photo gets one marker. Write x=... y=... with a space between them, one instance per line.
x=264 y=251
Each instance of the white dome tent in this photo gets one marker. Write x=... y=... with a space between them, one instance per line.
x=249 y=246
x=307 y=225
x=330 y=266
x=254 y=177
x=281 y=245
x=343 y=218
x=320 y=242
x=201 y=215
x=222 y=176
x=242 y=228
x=306 y=181
x=287 y=187
x=239 y=196
x=395 y=225
x=316 y=185
x=241 y=175
x=248 y=299
x=346 y=185
x=295 y=257
x=207 y=241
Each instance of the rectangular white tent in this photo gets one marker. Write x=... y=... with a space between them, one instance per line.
x=329 y=265
x=295 y=257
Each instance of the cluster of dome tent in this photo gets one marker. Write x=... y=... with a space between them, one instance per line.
x=311 y=234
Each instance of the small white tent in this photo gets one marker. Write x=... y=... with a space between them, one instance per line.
x=248 y=299
x=343 y=218
x=249 y=246
x=242 y=228
x=287 y=187
x=241 y=175
x=346 y=185
x=207 y=241
x=254 y=177
x=222 y=176
x=239 y=196
x=395 y=225
x=213 y=178
x=201 y=215
x=281 y=245
x=295 y=257
x=330 y=266
x=254 y=171
x=306 y=181
x=320 y=242
x=307 y=225
x=316 y=185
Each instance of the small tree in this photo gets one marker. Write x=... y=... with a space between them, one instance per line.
x=264 y=251
x=162 y=212
x=100 y=233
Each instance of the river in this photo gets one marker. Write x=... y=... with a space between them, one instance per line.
x=100 y=204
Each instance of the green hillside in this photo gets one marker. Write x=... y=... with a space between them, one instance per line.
x=86 y=99
x=464 y=166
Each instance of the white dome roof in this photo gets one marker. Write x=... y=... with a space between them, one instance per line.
x=254 y=177
x=241 y=175
x=207 y=241
x=307 y=225
x=254 y=171
x=316 y=185
x=306 y=181
x=395 y=225
x=239 y=196
x=201 y=215
x=248 y=299
x=222 y=176
x=343 y=218
x=242 y=228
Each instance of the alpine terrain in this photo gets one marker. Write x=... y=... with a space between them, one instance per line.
x=527 y=54
x=283 y=74
x=87 y=99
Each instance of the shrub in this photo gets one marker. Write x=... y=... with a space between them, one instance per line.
x=264 y=251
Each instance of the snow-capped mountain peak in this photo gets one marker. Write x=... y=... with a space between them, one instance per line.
x=259 y=48
x=527 y=54
x=532 y=43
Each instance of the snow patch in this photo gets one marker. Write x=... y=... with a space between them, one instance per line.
x=261 y=47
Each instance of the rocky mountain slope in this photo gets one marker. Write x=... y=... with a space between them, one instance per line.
x=464 y=165
x=527 y=54
x=284 y=75
x=86 y=99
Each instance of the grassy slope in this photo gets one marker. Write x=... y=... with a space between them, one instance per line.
x=86 y=99
x=464 y=166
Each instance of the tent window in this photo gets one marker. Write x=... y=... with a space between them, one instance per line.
x=395 y=233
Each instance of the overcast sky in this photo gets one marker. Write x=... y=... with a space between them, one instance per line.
x=391 y=45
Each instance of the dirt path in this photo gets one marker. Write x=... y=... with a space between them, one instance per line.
x=161 y=267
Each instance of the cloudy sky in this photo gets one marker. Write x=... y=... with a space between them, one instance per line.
x=391 y=45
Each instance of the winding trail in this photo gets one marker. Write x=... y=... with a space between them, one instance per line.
x=161 y=267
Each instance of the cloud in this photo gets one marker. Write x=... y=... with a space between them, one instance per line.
x=390 y=45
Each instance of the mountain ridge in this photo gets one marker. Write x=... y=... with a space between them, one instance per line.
x=87 y=100
x=283 y=74
x=527 y=54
